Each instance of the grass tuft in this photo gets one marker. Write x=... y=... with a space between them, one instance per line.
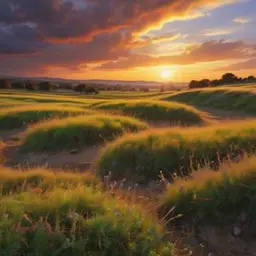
x=157 y=111
x=74 y=220
x=216 y=197
x=77 y=132
x=142 y=156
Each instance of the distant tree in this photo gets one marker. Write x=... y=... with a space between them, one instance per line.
x=204 y=83
x=66 y=86
x=5 y=84
x=44 y=86
x=18 y=85
x=193 y=84
x=162 y=89
x=30 y=85
x=229 y=78
x=251 y=79
x=90 y=90
x=144 y=89
x=215 y=82
x=79 y=88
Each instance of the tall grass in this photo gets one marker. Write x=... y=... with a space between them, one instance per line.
x=16 y=117
x=152 y=110
x=75 y=221
x=78 y=132
x=217 y=197
x=141 y=157
x=239 y=99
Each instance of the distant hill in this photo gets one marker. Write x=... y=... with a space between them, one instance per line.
x=139 y=83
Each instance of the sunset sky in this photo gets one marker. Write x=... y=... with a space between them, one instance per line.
x=128 y=39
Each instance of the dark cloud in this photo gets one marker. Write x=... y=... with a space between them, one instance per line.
x=20 y=39
x=63 y=20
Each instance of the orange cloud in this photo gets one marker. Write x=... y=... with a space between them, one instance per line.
x=209 y=51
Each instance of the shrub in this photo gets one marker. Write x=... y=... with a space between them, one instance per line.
x=218 y=197
x=152 y=110
x=141 y=157
x=16 y=117
x=5 y=84
x=77 y=132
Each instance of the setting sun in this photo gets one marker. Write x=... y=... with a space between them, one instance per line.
x=166 y=74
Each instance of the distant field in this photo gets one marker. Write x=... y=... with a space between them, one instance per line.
x=75 y=97
x=227 y=98
x=16 y=117
x=141 y=157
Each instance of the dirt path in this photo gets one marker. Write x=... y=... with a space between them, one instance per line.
x=75 y=159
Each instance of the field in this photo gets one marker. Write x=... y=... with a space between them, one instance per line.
x=128 y=173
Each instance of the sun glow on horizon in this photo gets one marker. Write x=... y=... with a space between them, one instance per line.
x=166 y=74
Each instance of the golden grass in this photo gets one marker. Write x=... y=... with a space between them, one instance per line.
x=177 y=150
x=216 y=196
x=78 y=131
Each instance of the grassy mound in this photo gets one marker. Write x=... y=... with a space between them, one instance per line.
x=152 y=110
x=78 y=221
x=239 y=99
x=216 y=196
x=141 y=157
x=16 y=117
x=78 y=131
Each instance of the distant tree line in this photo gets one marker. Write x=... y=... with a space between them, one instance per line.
x=28 y=85
x=226 y=79
x=44 y=86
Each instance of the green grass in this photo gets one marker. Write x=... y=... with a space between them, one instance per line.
x=18 y=181
x=227 y=98
x=157 y=111
x=216 y=197
x=142 y=156
x=72 y=221
x=78 y=131
x=16 y=117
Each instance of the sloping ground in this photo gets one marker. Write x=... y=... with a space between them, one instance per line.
x=141 y=157
x=226 y=98
x=156 y=111
x=220 y=207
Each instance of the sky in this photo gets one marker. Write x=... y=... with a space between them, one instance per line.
x=151 y=40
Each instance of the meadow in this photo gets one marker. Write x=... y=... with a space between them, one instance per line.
x=227 y=98
x=164 y=162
